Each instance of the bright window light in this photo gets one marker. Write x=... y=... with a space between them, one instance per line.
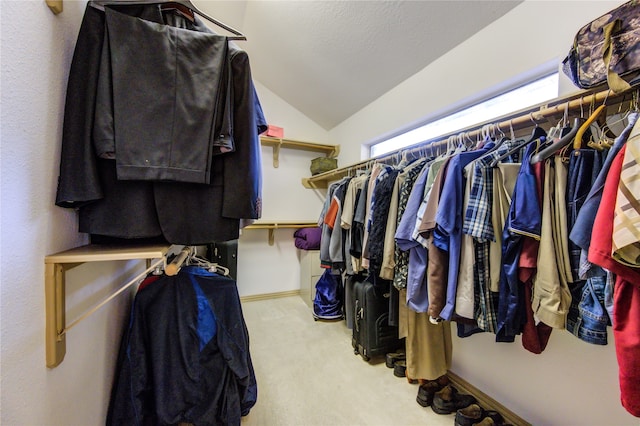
x=524 y=96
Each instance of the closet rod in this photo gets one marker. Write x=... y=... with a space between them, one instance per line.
x=519 y=120
x=108 y=299
x=174 y=267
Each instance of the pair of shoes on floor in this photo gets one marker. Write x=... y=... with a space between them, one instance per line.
x=475 y=415
x=428 y=389
x=397 y=361
x=400 y=370
x=448 y=400
x=393 y=357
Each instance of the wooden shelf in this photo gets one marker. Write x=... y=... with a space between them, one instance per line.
x=322 y=180
x=272 y=226
x=56 y=266
x=330 y=151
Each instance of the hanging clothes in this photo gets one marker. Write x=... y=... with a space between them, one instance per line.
x=406 y=181
x=447 y=235
x=416 y=272
x=522 y=219
x=185 y=354
x=478 y=224
x=165 y=122
x=176 y=212
x=592 y=309
x=626 y=312
x=379 y=215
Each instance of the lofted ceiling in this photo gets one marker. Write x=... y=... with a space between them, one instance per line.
x=329 y=59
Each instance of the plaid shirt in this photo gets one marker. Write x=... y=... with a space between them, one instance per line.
x=477 y=223
x=477 y=219
x=486 y=301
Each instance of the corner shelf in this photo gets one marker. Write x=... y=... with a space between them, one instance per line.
x=56 y=266
x=321 y=180
x=271 y=226
x=330 y=151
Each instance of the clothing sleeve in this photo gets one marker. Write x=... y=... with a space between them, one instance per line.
x=388 y=259
x=78 y=182
x=449 y=203
x=132 y=393
x=407 y=223
x=242 y=198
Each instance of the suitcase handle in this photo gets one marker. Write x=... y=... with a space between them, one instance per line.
x=357 y=315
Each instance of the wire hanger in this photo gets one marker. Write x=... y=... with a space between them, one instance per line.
x=100 y=4
x=195 y=260
x=189 y=256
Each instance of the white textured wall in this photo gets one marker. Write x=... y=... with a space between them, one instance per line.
x=36 y=49
x=269 y=269
x=572 y=382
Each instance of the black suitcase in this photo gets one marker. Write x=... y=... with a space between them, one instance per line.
x=372 y=334
x=224 y=254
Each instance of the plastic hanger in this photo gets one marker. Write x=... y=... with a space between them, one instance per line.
x=538 y=133
x=100 y=4
x=559 y=144
x=209 y=266
x=577 y=143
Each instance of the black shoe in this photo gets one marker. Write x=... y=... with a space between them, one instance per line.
x=448 y=400
x=469 y=416
x=392 y=357
x=400 y=368
x=426 y=391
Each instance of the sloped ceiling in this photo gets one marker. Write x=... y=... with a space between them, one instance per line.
x=329 y=59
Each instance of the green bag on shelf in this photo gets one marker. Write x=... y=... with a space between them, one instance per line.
x=323 y=164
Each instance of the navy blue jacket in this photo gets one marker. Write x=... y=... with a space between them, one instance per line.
x=185 y=355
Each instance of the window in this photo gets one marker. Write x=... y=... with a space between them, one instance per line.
x=524 y=96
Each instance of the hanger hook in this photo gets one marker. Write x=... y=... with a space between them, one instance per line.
x=606 y=97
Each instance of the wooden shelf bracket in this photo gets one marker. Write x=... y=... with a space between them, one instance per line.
x=58 y=264
x=55 y=6
x=330 y=151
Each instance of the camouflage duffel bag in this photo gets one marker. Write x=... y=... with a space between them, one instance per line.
x=607 y=50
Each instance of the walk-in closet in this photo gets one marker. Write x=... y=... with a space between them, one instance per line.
x=193 y=209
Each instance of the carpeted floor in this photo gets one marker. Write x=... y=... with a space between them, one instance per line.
x=307 y=374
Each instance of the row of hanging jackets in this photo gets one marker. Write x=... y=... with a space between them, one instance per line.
x=184 y=356
x=482 y=236
x=160 y=135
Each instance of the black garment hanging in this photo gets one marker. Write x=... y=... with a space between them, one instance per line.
x=179 y=213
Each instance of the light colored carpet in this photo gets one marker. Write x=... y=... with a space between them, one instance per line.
x=307 y=374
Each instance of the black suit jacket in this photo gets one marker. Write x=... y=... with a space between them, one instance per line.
x=181 y=213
